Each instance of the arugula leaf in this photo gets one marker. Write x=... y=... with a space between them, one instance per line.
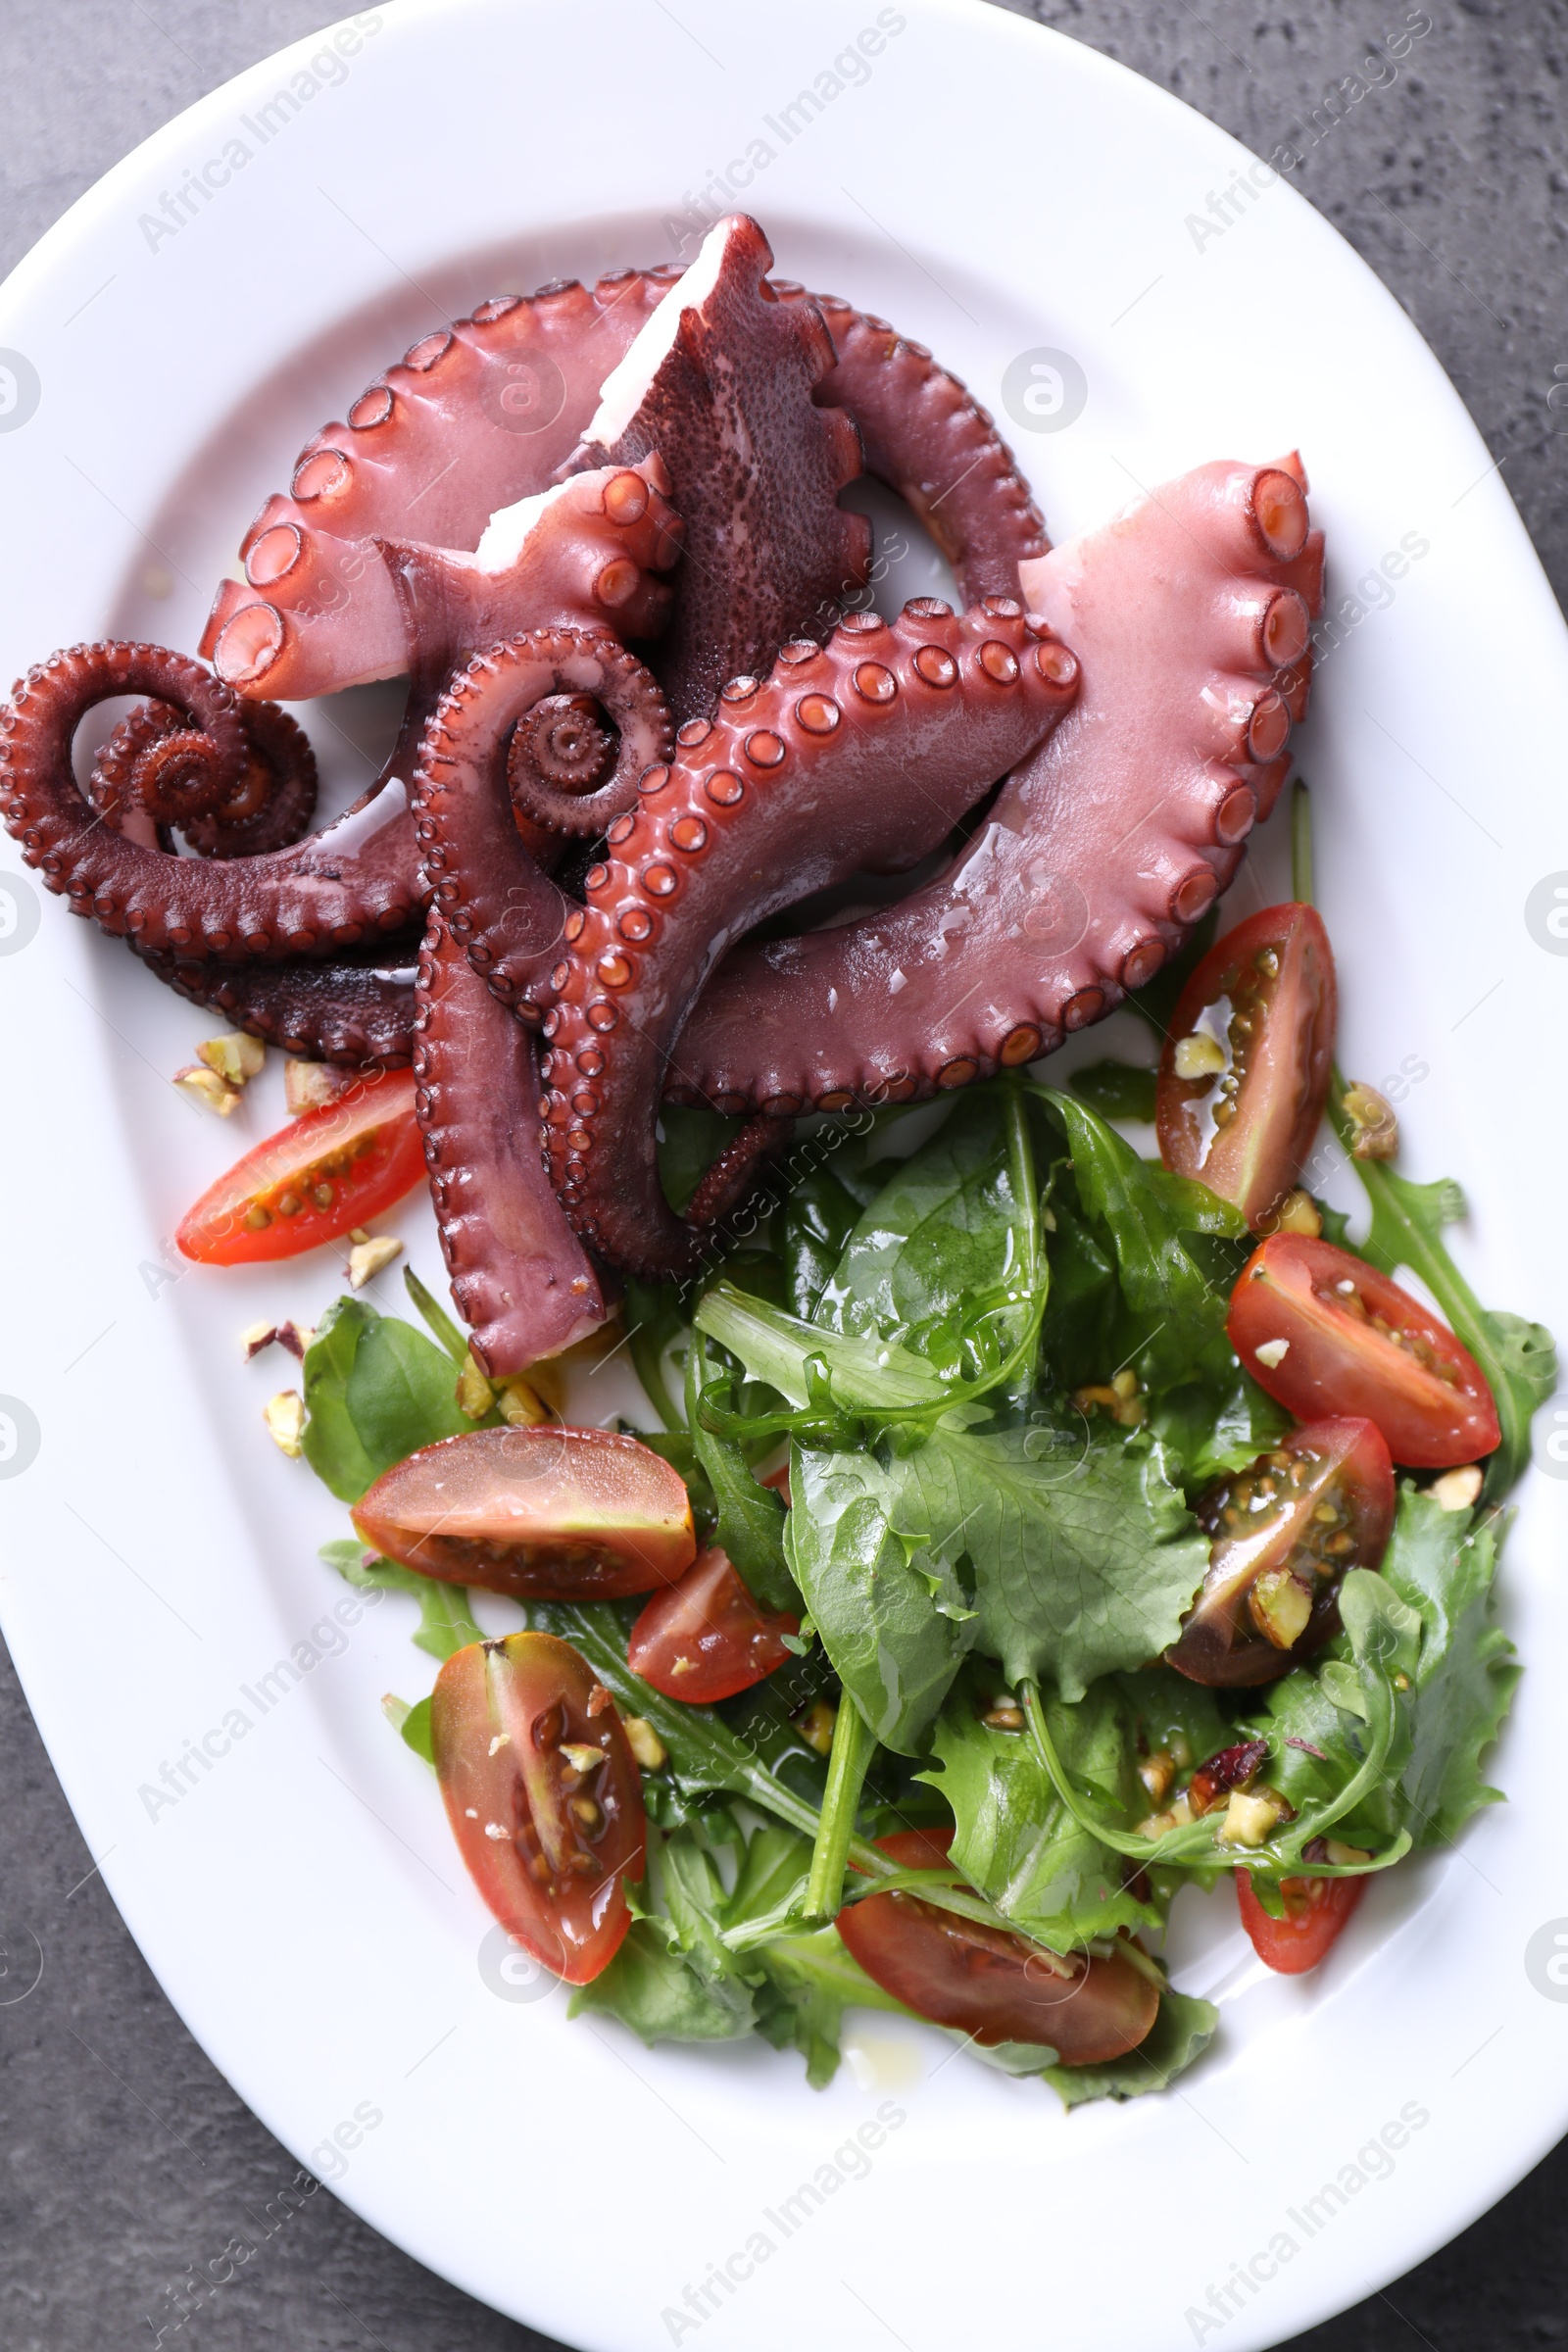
x=691 y=1138
x=446 y=1624
x=892 y=1618
x=1078 y=1334
x=1220 y=1421
x=810 y=1981
x=651 y=1986
x=1465 y=1675
x=654 y=1324
x=751 y=1517
x=1180 y=2033
x=375 y=1391
x=412 y=1724
x=1176 y=1245
x=1116 y=1090
x=441 y=1327
x=868 y=1374
x=1015 y=1840
x=951 y=1238
x=819 y=1216
x=1084 y=1555
x=1519 y=1358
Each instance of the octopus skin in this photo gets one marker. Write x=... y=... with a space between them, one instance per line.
x=720 y=385
x=584 y=552
x=358 y=1007
x=1189 y=615
x=521 y=1280
x=786 y=789
x=481 y=415
x=477 y=774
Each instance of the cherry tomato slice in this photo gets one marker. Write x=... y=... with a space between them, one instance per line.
x=705 y=1638
x=1316 y=1910
x=1284 y=1532
x=1255 y=1025
x=543 y=1795
x=555 y=1515
x=313 y=1180
x=1325 y=1333
x=997 y=1986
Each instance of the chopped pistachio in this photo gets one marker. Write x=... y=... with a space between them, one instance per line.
x=1457 y=1490
x=254 y=1337
x=502 y=1739
x=1198 y=1056
x=580 y=1756
x=358 y=1235
x=1174 y=1817
x=234 y=1055
x=368 y=1257
x=285 y=1421
x=816 y=1726
x=1280 y=1606
x=1004 y=1716
x=1372 y=1116
x=206 y=1086
x=1298 y=1212
x=644 y=1743
x=1249 y=1818
x=1156 y=1771
x=1345 y=1857
x=1272 y=1353
x=1125 y=1383
x=307 y=1085
x=475 y=1394
x=519 y=1404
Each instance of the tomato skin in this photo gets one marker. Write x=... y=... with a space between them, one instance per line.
x=502 y=1716
x=994 y=1986
x=1254 y=1159
x=544 y=1513
x=705 y=1637
x=1316 y=1911
x=364 y=1147
x=1337 y=1362
x=1340 y=1464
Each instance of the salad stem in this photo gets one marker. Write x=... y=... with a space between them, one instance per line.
x=853 y=1747
x=1301 y=842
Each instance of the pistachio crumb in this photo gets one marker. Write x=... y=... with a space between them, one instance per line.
x=1198 y=1056
x=816 y=1726
x=285 y=1421
x=1457 y=1490
x=1249 y=1818
x=644 y=1743
x=368 y=1257
x=1272 y=1353
x=207 y=1087
x=234 y=1055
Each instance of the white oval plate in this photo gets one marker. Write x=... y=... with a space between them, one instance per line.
x=999 y=192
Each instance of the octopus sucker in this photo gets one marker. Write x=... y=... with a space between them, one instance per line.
x=892 y=730
x=521 y=1279
x=1104 y=848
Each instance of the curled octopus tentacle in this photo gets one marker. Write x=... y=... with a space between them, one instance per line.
x=894 y=728
x=326 y=892
x=485 y=413
x=269 y=807
x=358 y=1007
x=1191 y=616
x=521 y=1279
x=479 y=773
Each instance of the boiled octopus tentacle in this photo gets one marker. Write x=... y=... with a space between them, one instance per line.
x=270 y=808
x=327 y=892
x=1189 y=615
x=521 y=1280
x=787 y=790
x=477 y=417
x=720 y=383
x=358 y=1007
x=483 y=413
x=928 y=439
x=477 y=774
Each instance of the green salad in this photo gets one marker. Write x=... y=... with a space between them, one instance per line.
x=1067 y=1601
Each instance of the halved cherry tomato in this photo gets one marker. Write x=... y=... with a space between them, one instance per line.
x=705 y=1638
x=543 y=1795
x=1324 y=1333
x=558 y=1514
x=1258 y=1016
x=1285 y=1530
x=997 y=1986
x=314 y=1179
x=1316 y=1910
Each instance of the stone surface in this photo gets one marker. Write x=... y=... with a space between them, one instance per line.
x=126 y=2159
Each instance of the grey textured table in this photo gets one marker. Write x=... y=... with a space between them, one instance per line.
x=126 y=2158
